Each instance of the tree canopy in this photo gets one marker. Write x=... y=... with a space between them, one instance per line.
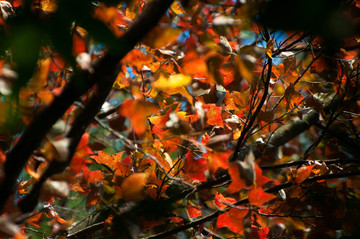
x=179 y=119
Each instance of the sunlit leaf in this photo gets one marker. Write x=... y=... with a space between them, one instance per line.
x=233 y=219
x=213 y=114
x=133 y=187
x=237 y=182
x=270 y=47
x=257 y=196
x=171 y=82
x=194 y=212
x=220 y=201
x=195 y=168
x=137 y=112
x=217 y=160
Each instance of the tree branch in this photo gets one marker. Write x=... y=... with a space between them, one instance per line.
x=79 y=83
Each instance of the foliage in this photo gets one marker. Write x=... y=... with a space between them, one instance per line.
x=179 y=119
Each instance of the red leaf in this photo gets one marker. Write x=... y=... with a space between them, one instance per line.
x=217 y=160
x=232 y=220
x=219 y=199
x=137 y=112
x=177 y=220
x=194 y=212
x=259 y=232
x=237 y=182
x=195 y=168
x=214 y=115
x=260 y=179
x=257 y=196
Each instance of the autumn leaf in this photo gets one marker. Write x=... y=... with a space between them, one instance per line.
x=217 y=160
x=302 y=173
x=195 y=168
x=173 y=81
x=104 y=158
x=270 y=47
x=220 y=200
x=233 y=219
x=177 y=220
x=194 y=211
x=133 y=187
x=160 y=36
x=259 y=232
x=177 y=8
x=257 y=196
x=237 y=182
x=292 y=97
x=213 y=114
x=137 y=112
x=35 y=220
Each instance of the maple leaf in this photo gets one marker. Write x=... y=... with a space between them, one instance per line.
x=219 y=199
x=214 y=115
x=217 y=160
x=301 y=174
x=292 y=97
x=194 y=212
x=237 y=182
x=137 y=112
x=257 y=196
x=195 y=168
x=233 y=219
x=104 y=158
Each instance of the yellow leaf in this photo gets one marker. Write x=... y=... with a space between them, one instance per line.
x=173 y=81
x=270 y=47
x=177 y=8
x=161 y=36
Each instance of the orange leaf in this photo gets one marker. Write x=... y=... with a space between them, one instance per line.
x=237 y=182
x=35 y=220
x=257 y=196
x=217 y=160
x=214 y=115
x=219 y=199
x=137 y=112
x=104 y=158
x=133 y=187
x=292 y=96
x=96 y=176
x=303 y=173
x=232 y=220
x=195 y=168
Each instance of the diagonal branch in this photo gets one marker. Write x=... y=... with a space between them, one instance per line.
x=79 y=84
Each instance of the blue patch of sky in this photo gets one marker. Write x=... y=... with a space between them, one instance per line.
x=130 y=71
x=250 y=37
x=183 y=36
